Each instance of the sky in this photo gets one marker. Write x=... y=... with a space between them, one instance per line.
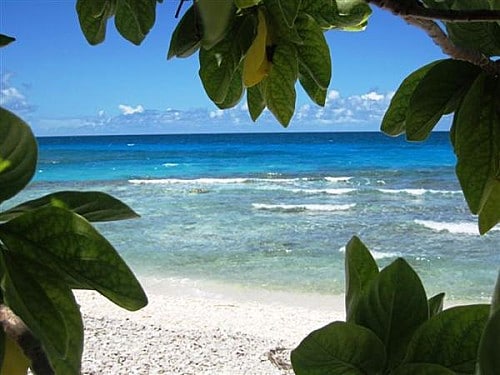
x=60 y=85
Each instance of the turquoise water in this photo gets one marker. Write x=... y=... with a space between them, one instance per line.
x=275 y=210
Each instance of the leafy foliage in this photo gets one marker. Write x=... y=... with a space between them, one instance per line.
x=47 y=248
x=393 y=328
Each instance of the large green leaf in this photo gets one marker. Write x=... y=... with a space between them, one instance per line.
x=476 y=141
x=441 y=88
x=277 y=22
x=220 y=64
x=216 y=19
x=18 y=154
x=323 y=11
x=339 y=348
x=93 y=17
x=394 y=121
x=47 y=306
x=352 y=15
x=393 y=306
x=92 y=205
x=436 y=304
x=290 y=9
x=186 y=38
x=5 y=40
x=311 y=87
x=490 y=213
x=314 y=53
x=422 y=369
x=280 y=92
x=255 y=101
x=134 y=18
x=67 y=244
x=234 y=91
x=360 y=270
x=450 y=339
x=489 y=361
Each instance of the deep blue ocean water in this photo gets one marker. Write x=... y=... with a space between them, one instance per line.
x=275 y=210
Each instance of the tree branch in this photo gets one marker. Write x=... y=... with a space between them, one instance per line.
x=416 y=10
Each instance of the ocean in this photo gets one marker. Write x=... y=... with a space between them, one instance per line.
x=275 y=211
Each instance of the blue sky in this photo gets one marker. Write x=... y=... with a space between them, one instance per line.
x=61 y=85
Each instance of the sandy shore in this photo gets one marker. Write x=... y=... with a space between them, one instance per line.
x=189 y=328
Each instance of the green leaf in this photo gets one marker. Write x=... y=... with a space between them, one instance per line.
x=219 y=64
x=134 y=18
x=255 y=101
x=339 y=348
x=311 y=87
x=490 y=213
x=314 y=53
x=92 y=205
x=93 y=17
x=290 y=10
x=5 y=40
x=495 y=300
x=394 y=121
x=422 y=369
x=47 y=306
x=216 y=19
x=436 y=304
x=476 y=141
x=234 y=92
x=323 y=11
x=450 y=339
x=360 y=270
x=281 y=32
x=67 y=244
x=2 y=346
x=186 y=38
x=18 y=154
x=352 y=15
x=280 y=92
x=443 y=85
x=488 y=359
x=393 y=306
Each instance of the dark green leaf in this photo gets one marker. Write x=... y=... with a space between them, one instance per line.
x=73 y=249
x=490 y=213
x=450 y=339
x=5 y=40
x=47 y=306
x=280 y=92
x=92 y=205
x=436 y=304
x=323 y=11
x=476 y=141
x=234 y=92
x=290 y=9
x=495 y=300
x=339 y=348
x=134 y=18
x=443 y=85
x=360 y=270
x=314 y=53
x=186 y=38
x=422 y=369
x=255 y=101
x=352 y=15
x=18 y=154
x=93 y=17
x=2 y=346
x=281 y=33
x=394 y=122
x=216 y=19
x=488 y=358
x=311 y=87
x=393 y=306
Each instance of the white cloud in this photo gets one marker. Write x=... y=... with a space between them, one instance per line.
x=12 y=98
x=128 y=110
x=372 y=95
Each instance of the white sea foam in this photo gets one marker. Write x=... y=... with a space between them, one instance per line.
x=169 y=165
x=377 y=254
x=338 y=179
x=418 y=192
x=455 y=228
x=303 y=207
x=339 y=191
x=207 y=181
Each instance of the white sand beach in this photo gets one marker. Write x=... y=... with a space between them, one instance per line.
x=190 y=328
